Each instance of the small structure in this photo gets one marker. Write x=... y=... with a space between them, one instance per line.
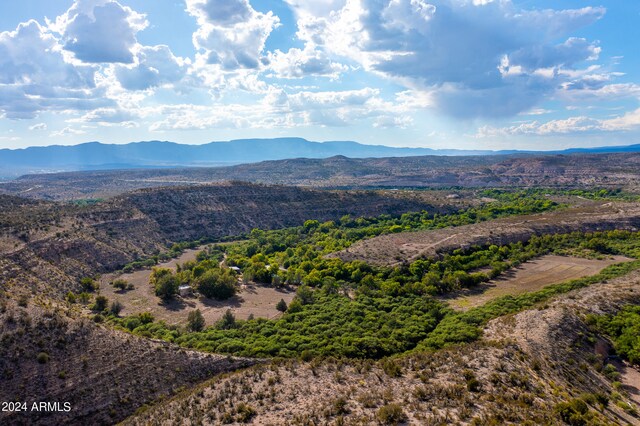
x=185 y=290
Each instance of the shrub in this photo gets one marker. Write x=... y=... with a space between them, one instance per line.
x=84 y=297
x=146 y=317
x=116 y=307
x=391 y=414
x=339 y=407
x=88 y=284
x=227 y=321
x=611 y=372
x=391 y=368
x=245 y=413
x=131 y=323
x=281 y=305
x=120 y=284
x=195 y=321
x=23 y=300
x=574 y=412
x=43 y=357
x=473 y=384
x=100 y=304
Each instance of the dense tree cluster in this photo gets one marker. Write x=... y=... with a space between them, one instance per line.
x=206 y=276
x=624 y=330
x=355 y=309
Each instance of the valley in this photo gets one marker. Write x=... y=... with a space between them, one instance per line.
x=320 y=306
x=319 y=213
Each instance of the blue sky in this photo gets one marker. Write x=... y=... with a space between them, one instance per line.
x=493 y=74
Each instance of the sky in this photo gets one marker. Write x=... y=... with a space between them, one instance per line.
x=487 y=74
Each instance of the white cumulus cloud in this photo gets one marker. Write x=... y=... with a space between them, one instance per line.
x=99 y=31
x=476 y=58
x=231 y=33
x=155 y=66
x=35 y=76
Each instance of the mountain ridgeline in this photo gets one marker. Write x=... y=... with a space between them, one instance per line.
x=154 y=154
x=96 y=155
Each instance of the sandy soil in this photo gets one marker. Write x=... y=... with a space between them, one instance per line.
x=531 y=276
x=253 y=299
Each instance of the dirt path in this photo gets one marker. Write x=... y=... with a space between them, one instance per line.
x=531 y=276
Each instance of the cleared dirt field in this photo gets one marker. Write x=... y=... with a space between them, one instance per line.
x=531 y=276
x=393 y=249
x=252 y=299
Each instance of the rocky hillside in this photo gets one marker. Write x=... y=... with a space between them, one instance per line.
x=105 y=375
x=48 y=247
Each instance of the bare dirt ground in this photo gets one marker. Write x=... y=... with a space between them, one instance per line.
x=531 y=276
x=630 y=379
x=393 y=249
x=253 y=299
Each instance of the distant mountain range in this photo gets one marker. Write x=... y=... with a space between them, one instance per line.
x=159 y=154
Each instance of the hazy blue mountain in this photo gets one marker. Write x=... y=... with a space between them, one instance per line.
x=96 y=155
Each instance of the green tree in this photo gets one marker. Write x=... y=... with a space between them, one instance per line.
x=217 y=284
x=281 y=305
x=100 y=303
x=227 y=321
x=294 y=306
x=195 y=321
x=158 y=273
x=167 y=286
x=304 y=295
